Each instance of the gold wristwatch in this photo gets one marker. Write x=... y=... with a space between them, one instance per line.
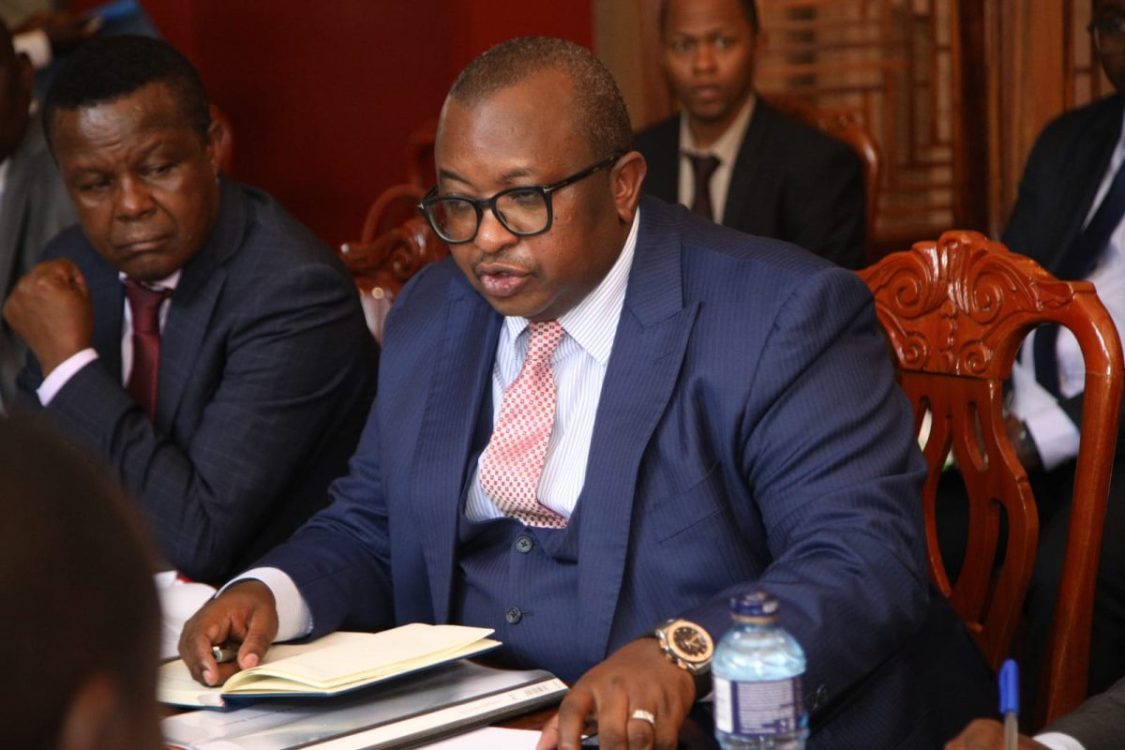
x=690 y=647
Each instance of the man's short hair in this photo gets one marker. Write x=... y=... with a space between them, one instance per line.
x=105 y=69
x=76 y=583
x=599 y=107
x=749 y=10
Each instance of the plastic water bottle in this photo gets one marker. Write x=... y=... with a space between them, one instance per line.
x=757 y=670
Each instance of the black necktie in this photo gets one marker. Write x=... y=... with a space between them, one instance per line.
x=703 y=167
x=144 y=304
x=1078 y=262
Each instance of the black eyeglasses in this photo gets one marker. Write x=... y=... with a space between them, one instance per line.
x=1109 y=34
x=525 y=210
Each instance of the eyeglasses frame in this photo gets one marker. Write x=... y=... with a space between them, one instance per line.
x=480 y=204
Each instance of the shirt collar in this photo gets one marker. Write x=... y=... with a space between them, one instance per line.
x=726 y=147
x=592 y=323
x=168 y=282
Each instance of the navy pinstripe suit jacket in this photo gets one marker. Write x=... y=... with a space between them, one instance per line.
x=749 y=432
x=266 y=375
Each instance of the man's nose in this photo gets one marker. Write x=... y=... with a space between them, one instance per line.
x=134 y=200
x=704 y=58
x=492 y=235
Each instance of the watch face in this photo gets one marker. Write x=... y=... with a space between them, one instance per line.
x=691 y=642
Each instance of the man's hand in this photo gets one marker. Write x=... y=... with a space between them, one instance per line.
x=636 y=677
x=246 y=613
x=987 y=734
x=1018 y=436
x=50 y=310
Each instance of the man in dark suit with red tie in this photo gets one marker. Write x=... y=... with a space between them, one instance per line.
x=197 y=336
x=1069 y=217
x=735 y=159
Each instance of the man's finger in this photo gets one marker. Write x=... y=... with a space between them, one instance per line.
x=571 y=719
x=549 y=738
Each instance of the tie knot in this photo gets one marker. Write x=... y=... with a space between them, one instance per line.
x=144 y=303
x=704 y=167
x=545 y=339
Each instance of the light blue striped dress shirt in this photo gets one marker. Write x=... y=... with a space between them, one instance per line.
x=579 y=365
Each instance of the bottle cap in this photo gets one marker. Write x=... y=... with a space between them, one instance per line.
x=756 y=604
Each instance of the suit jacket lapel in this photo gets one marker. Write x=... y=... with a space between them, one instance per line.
x=458 y=390
x=108 y=296
x=1085 y=174
x=194 y=300
x=753 y=150
x=647 y=355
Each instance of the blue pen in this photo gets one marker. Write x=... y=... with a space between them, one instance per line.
x=1010 y=702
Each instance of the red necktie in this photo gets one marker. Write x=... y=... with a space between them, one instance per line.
x=512 y=463
x=703 y=167
x=144 y=303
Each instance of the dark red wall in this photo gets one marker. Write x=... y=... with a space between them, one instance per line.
x=323 y=96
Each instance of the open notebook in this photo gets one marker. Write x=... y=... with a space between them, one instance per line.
x=335 y=664
x=404 y=713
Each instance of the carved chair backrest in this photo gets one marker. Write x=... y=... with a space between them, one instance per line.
x=396 y=242
x=955 y=313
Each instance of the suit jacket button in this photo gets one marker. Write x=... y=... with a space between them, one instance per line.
x=524 y=543
x=513 y=615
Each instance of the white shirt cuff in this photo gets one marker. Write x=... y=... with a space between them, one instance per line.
x=294 y=620
x=1056 y=438
x=1058 y=741
x=35 y=45
x=62 y=374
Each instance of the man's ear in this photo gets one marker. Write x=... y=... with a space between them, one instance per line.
x=626 y=179
x=96 y=717
x=216 y=132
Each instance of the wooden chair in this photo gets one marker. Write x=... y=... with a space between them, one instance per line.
x=955 y=313
x=843 y=125
x=396 y=242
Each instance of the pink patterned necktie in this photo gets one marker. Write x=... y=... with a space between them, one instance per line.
x=513 y=461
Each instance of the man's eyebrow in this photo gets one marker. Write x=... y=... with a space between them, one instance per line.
x=508 y=177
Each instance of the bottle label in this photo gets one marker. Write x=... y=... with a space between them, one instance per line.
x=770 y=707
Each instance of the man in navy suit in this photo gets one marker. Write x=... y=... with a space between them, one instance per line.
x=775 y=176
x=1098 y=724
x=262 y=372
x=725 y=418
x=1070 y=217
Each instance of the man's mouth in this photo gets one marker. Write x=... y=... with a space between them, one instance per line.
x=501 y=281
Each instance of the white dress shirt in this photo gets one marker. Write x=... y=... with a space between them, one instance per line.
x=62 y=374
x=579 y=366
x=725 y=149
x=1059 y=741
x=1055 y=435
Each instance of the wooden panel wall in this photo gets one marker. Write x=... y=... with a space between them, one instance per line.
x=954 y=91
x=323 y=96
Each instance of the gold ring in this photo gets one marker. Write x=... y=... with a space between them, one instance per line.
x=642 y=715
